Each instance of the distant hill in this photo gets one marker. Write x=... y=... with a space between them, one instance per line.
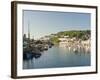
x=78 y=34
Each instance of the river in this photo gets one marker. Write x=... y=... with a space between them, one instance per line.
x=58 y=57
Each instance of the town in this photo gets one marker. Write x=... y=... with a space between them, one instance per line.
x=75 y=41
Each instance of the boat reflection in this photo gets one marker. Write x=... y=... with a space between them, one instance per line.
x=28 y=55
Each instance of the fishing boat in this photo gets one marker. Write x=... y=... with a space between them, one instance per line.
x=46 y=47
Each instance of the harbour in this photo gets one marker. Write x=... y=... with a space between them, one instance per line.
x=55 y=48
x=57 y=57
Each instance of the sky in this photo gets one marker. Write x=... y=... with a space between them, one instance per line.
x=42 y=23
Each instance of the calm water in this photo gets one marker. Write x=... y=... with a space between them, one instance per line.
x=58 y=57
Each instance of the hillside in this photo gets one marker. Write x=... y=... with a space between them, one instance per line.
x=78 y=34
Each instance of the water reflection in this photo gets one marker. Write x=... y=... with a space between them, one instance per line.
x=28 y=55
x=57 y=57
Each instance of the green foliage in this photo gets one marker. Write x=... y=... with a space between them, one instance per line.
x=55 y=40
x=81 y=34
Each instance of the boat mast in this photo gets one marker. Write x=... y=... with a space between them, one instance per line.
x=28 y=30
x=28 y=34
